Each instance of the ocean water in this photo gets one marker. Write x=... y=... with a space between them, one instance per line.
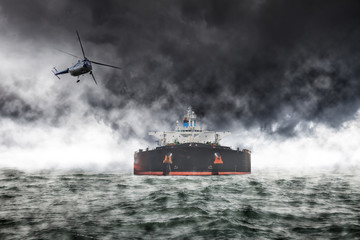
x=263 y=205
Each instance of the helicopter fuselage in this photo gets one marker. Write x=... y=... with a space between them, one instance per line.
x=80 y=68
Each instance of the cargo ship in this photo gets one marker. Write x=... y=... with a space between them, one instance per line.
x=190 y=150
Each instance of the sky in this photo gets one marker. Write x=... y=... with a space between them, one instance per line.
x=282 y=76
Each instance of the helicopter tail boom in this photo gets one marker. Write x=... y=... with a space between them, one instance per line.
x=56 y=72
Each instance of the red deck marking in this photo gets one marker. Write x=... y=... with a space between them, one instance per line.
x=148 y=173
x=191 y=173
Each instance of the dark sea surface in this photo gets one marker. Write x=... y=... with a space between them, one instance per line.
x=263 y=205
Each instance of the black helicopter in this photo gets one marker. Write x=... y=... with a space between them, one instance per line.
x=82 y=66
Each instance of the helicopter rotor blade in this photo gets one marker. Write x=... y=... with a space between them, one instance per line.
x=68 y=53
x=82 y=49
x=93 y=77
x=107 y=65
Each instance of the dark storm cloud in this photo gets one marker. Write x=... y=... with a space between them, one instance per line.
x=273 y=64
x=14 y=107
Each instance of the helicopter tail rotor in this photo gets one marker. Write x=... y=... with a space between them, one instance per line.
x=55 y=71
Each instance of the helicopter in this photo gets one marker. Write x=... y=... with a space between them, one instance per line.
x=82 y=66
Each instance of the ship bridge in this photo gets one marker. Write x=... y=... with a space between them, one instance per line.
x=189 y=131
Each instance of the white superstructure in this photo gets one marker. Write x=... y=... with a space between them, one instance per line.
x=190 y=131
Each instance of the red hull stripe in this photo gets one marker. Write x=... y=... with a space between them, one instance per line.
x=190 y=173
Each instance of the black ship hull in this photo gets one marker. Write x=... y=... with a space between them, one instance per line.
x=192 y=159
